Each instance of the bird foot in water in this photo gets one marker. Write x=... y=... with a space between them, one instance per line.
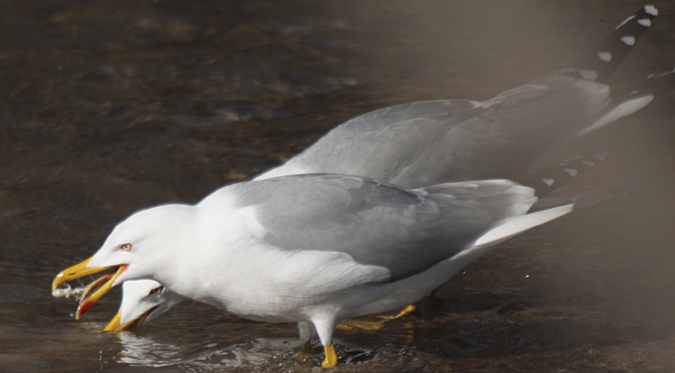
x=331 y=358
x=305 y=352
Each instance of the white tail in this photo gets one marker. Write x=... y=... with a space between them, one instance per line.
x=515 y=226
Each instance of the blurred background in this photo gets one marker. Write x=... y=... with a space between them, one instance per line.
x=110 y=107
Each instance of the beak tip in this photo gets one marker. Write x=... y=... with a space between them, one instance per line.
x=76 y=271
x=58 y=281
x=83 y=308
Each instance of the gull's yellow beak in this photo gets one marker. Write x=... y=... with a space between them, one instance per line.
x=94 y=291
x=76 y=271
x=114 y=324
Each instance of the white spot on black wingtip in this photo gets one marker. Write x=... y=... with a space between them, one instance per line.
x=548 y=181
x=646 y=22
x=571 y=171
x=651 y=10
x=625 y=21
x=605 y=56
x=589 y=74
x=588 y=163
x=628 y=40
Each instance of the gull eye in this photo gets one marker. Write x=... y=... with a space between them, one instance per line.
x=157 y=290
x=125 y=247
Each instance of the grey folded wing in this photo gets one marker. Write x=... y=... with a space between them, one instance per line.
x=406 y=231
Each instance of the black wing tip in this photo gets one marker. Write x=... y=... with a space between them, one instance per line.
x=600 y=62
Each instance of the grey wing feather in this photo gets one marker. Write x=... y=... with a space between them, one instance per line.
x=380 y=144
x=385 y=117
x=406 y=231
x=429 y=142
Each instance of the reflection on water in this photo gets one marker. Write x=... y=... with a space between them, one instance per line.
x=143 y=351
x=254 y=354
x=109 y=107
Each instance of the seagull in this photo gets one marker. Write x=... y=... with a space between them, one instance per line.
x=428 y=142
x=314 y=249
x=144 y=300
x=401 y=143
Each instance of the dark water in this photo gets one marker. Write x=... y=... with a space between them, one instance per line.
x=109 y=107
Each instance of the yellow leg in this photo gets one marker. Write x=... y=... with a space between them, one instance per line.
x=372 y=325
x=404 y=312
x=305 y=351
x=359 y=324
x=331 y=358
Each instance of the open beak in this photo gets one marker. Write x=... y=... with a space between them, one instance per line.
x=76 y=271
x=95 y=290
x=115 y=326
x=102 y=286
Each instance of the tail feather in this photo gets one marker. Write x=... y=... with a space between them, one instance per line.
x=600 y=62
x=517 y=225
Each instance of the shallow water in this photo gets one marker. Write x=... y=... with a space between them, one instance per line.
x=109 y=107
